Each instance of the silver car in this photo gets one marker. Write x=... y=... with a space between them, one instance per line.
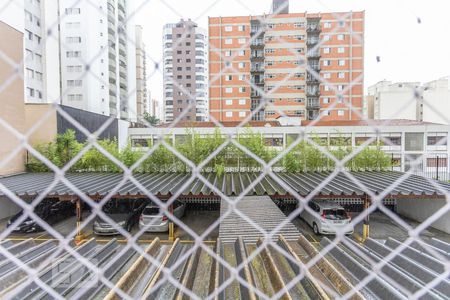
x=125 y=213
x=328 y=218
x=153 y=220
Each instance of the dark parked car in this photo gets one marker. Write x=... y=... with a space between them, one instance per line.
x=49 y=210
x=124 y=212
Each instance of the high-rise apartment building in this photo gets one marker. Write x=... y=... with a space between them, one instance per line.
x=41 y=43
x=80 y=55
x=142 y=98
x=98 y=63
x=185 y=72
x=285 y=55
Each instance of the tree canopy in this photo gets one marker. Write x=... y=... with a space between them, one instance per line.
x=222 y=155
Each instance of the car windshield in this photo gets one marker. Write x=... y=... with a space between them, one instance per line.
x=152 y=210
x=335 y=214
x=116 y=207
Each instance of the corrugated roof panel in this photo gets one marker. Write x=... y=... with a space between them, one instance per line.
x=231 y=184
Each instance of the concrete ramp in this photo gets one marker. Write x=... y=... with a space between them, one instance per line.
x=262 y=211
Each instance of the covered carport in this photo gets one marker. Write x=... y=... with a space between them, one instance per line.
x=191 y=189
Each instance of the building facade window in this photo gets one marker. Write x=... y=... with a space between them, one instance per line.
x=73 y=54
x=73 y=39
x=73 y=11
x=74 y=83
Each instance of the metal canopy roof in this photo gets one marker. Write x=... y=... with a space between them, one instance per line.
x=231 y=184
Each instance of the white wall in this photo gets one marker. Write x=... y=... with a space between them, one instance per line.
x=436 y=101
x=123 y=133
x=51 y=61
x=94 y=51
x=421 y=209
x=394 y=100
x=131 y=62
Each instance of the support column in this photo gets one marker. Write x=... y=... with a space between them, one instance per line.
x=79 y=237
x=366 y=218
x=171 y=225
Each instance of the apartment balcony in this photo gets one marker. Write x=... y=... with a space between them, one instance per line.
x=259 y=83
x=257 y=30
x=316 y=68
x=313 y=104
x=255 y=94
x=257 y=44
x=257 y=68
x=312 y=41
x=313 y=93
x=313 y=28
x=313 y=114
x=312 y=80
x=313 y=54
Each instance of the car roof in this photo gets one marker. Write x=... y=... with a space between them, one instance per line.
x=328 y=204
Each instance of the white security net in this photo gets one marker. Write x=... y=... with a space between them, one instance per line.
x=155 y=185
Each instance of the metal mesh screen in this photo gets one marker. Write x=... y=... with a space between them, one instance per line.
x=284 y=258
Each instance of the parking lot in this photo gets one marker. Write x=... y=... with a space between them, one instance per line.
x=381 y=227
x=197 y=221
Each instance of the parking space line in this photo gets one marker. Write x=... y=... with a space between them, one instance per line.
x=315 y=241
x=357 y=237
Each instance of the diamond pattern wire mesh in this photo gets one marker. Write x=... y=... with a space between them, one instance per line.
x=241 y=272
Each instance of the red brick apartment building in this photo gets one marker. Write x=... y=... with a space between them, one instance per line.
x=272 y=51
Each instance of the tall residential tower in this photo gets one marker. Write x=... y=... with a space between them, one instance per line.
x=98 y=61
x=185 y=72
x=142 y=97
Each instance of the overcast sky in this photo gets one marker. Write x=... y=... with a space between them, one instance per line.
x=409 y=49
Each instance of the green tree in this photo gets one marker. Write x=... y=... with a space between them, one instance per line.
x=152 y=120
x=255 y=143
x=94 y=160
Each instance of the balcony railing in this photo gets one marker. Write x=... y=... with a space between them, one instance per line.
x=313 y=93
x=316 y=68
x=311 y=41
x=257 y=82
x=311 y=54
x=311 y=79
x=257 y=43
x=313 y=28
x=312 y=104
x=257 y=68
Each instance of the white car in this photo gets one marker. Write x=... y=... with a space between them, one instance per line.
x=153 y=220
x=328 y=218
